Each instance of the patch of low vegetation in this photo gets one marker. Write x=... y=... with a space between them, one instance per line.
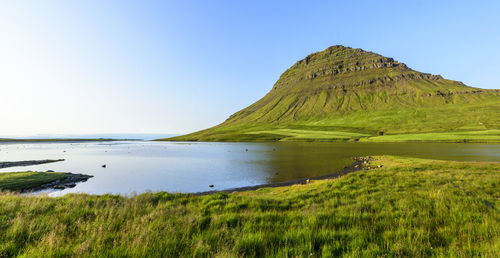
x=407 y=207
x=305 y=134
x=466 y=136
x=321 y=133
x=22 y=181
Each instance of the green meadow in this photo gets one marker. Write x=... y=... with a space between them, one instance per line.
x=463 y=136
x=408 y=207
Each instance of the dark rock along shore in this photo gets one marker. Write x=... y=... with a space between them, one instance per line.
x=61 y=184
x=360 y=163
x=8 y=164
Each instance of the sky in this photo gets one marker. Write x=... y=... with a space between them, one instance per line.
x=173 y=67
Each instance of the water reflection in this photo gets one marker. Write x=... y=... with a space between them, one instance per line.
x=192 y=167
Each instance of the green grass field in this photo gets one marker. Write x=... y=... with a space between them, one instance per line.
x=333 y=133
x=302 y=134
x=465 y=136
x=18 y=181
x=409 y=207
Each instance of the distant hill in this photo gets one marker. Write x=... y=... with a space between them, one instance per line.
x=343 y=93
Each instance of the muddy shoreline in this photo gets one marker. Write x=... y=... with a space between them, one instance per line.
x=8 y=164
x=360 y=163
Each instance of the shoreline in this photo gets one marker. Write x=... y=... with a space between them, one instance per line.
x=360 y=163
x=7 y=140
x=60 y=184
x=24 y=163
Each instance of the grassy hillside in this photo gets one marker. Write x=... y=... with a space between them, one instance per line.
x=343 y=93
x=409 y=207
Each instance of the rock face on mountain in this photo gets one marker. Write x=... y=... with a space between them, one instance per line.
x=353 y=90
x=338 y=63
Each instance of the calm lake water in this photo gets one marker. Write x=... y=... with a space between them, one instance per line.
x=136 y=167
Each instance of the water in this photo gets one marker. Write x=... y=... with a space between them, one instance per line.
x=136 y=167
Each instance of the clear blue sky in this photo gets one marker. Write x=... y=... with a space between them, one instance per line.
x=73 y=67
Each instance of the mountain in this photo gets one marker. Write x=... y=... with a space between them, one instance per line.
x=344 y=93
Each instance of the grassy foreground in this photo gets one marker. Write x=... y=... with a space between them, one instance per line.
x=18 y=181
x=409 y=207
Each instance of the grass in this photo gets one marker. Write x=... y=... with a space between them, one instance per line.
x=466 y=136
x=301 y=134
x=453 y=123
x=19 y=181
x=409 y=207
x=334 y=133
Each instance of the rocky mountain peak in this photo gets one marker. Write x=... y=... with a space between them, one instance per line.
x=338 y=63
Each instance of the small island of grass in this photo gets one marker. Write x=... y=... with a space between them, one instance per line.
x=32 y=181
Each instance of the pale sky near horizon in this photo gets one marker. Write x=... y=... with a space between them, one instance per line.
x=93 y=66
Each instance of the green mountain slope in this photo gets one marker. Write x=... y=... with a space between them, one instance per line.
x=343 y=93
